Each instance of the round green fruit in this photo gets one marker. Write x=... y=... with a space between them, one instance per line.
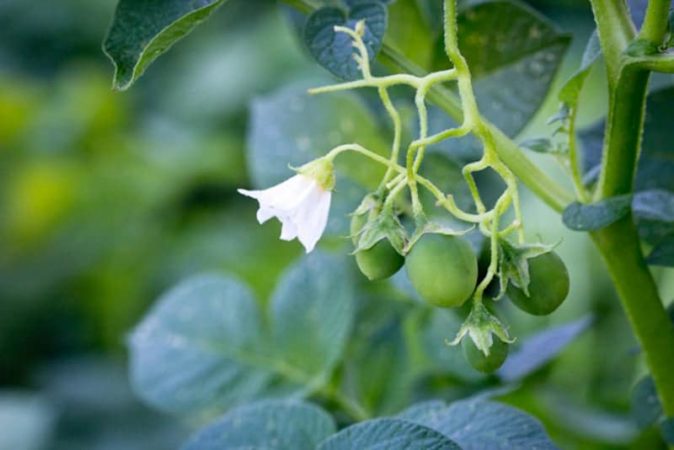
x=498 y=352
x=380 y=261
x=548 y=286
x=442 y=269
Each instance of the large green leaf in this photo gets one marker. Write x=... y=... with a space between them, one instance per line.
x=277 y=425
x=144 y=29
x=312 y=313
x=199 y=348
x=204 y=347
x=513 y=53
x=389 y=434
x=479 y=425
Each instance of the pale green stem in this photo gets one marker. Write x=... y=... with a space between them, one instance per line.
x=654 y=28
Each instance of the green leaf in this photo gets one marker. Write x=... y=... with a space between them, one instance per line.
x=539 y=349
x=204 y=348
x=290 y=127
x=193 y=351
x=271 y=424
x=445 y=359
x=377 y=369
x=389 y=434
x=663 y=253
x=541 y=145
x=594 y=216
x=144 y=29
x=513 y=53
x=667 y=430
x=479 y=425
x=334 y=50
x=570 y=92
x=409 y=32
x=312 y=313
x=646 y=408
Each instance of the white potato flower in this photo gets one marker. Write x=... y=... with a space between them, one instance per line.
x=301 y=203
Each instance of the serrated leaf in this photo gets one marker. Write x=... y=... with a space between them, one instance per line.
x=595 y=216
x=513 y=61
x=646 y=408
x=539 y=349
x=144 y=29
x=204 y=348
x=479 y=425
x=389 y=434
x=334 y=50
x=271 y=424
x=663 y=253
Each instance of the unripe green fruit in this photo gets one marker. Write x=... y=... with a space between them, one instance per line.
x=498 y=352
x=442 y=269
x=548 y=286
x=380 y=261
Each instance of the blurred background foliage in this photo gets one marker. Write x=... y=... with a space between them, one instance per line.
x=107 y=199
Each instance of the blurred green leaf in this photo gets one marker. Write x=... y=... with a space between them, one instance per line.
x=663 y=253
x=272 y=424
x=204 y=347
x=199 y=348
x=334 y=50
x=480 y=425
x=594 y=216
x=144 y=29
x=571 y=89
x=667 y=430
x=312 y=312
x=391 y=434
x=646 y=408
x=537 y=350
x=377 y=368
x=409 y=32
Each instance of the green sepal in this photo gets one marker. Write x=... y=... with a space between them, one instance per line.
x=514 y=264
x=382 y=223
x=426 y=227
x=481 y=326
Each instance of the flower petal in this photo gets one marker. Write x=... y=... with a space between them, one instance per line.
x=288 y=230
x=264 y=214
x=312 y=219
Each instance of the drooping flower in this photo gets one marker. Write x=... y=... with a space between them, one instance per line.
x=301 y=203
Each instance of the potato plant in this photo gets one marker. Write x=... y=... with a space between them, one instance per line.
x=452 y=83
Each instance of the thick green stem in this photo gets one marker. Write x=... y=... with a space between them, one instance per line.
x=619 y=246
x=623 y=133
